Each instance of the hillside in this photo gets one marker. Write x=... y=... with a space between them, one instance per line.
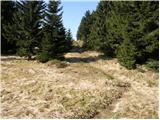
x=85 y=85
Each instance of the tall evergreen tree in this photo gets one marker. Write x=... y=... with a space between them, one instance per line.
x=26 y=32
x=69 y=39
x=7 y=11
x=98 y=30
x=145 y=30
x=54 y=33
x=136 y=22
x=84 y=28
x=116 y=25
x=128 y=30
x=80 y=29
x=69 y=35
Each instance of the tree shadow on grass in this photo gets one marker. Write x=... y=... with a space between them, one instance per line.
x=104 y=57
x=87 y=59
x=77 y=49
x=78 y=59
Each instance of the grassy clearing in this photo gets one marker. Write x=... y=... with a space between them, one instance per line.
x=60 y=89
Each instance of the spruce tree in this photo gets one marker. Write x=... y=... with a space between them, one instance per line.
x=54 y=38
x=97 y=35
x=69 y=35
x=80 y=29
x=126 y=54
x=26 y=32
x=126 y=29
x=145 y=30
x=84 y=29
x=116 y=26
x=7 y=11
x=69 y=39
x=46 y=48
x=137 y=22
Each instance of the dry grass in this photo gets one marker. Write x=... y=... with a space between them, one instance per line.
x=96 y=89
x=58 y=63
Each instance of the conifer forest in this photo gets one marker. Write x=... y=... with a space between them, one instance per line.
x=110 y=71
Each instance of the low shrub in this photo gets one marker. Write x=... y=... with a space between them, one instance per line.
x=43 y=57
x=153 y=64
x=126 y=54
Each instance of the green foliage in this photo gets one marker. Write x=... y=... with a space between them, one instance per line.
x=126 y=54
x=7 y=10
x=84 y=28
x=144 y=30
x=69 y=40
x=29 y=28
x=22 y=52
x=43 y=57
x=98 y=30
x=55 y=41
x=117 y=17
x=126 y=29
x=26 y=31
x=46 y=48
x=69 y=35
x=153 y=64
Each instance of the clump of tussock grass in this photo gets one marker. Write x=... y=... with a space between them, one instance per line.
x=122 y=84
x=152 y=83
x=99 y=71
x=62 y=65
x=85 y=104
x=57 y=63
x=140 y=70
x=134 y=111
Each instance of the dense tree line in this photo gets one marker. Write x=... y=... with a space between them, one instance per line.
x=7 y=10
x=126 y=30
x=33 y=28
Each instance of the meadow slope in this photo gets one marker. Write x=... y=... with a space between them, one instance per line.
x=86 y=85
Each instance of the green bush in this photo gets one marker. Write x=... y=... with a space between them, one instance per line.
x=43 y=57
x=21 y=52
x=126 y=54
x=153 y=64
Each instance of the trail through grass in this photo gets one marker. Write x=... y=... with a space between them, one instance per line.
x=83 y=86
